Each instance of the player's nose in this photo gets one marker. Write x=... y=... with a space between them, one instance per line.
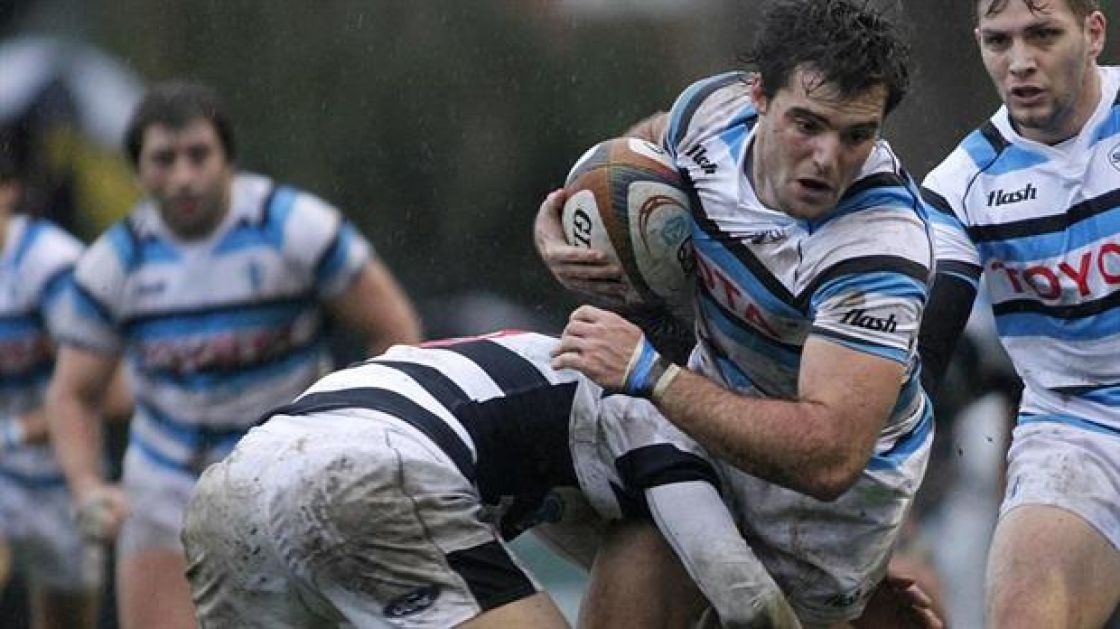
x=1020 y=58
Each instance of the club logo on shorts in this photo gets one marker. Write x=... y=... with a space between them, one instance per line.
x=1114 y=157
x=412 y=602
x=847 y=599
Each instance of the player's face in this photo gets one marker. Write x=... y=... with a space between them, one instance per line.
x=811 y=143
x=186 y=171
x=1043 y=64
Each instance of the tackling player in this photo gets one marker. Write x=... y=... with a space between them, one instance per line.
x=1031 y=200
x=214 y=289
x=368 y=500
x=813 y=258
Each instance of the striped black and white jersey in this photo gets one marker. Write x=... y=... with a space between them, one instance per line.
x=35 y=263
x=513 y=425
x=768 y=281
x=1040 y=225
x=214 y=331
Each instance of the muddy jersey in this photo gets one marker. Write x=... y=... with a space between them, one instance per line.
x=36 y=261
x=1040 y=225
x=768 y=281
x=511 y=424
x=217 y=330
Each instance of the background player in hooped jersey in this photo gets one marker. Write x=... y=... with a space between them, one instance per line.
x=38 y=537
x=1031 y=200
x=213 y=288
x=813 y=258
x=365 y=500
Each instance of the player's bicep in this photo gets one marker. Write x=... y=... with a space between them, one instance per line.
x=83 y=375
x=857 y=387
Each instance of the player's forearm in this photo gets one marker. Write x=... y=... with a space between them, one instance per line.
x=75 y=433
x=798 y=444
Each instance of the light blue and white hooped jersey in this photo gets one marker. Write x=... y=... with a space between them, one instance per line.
x=214 y=331
x=767 y=281
x=1042 y=225
x=36 y=261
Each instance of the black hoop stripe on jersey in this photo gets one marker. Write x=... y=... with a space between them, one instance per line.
x=875 y=180
x=450 y=395
x=957 y=267
x=936 y=201
x=391 y=403
x=741 y=253
x=1084 y=389
x=298 y=299
x=994 y=137
x=663 y=464
x=864 y=264
x=1047 y=224
x=1074 y=311
x=509 y=370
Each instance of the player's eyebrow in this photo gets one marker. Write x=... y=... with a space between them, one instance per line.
x=802 y=112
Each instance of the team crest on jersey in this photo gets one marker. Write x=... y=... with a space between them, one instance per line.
x=412 y=602
x=1114 y=157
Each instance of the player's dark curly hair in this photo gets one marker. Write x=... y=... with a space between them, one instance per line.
x=851 y=44
x=177 y=104
x=1080 y=8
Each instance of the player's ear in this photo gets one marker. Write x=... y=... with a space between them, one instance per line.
x=1095 y=24
x=758 y=95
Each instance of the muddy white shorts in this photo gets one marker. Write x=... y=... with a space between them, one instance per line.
x=344 y=516
x=829 y=556
x=39 y=528
x=1067 y=466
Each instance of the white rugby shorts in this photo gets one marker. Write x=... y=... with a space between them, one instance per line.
x=829 y=556
x=1069 y=467
x=343 y=516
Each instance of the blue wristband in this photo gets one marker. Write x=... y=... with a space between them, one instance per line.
x=648 y=373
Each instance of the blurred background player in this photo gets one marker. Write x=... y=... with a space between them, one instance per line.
x=1029 y=200
x=214 y=287
x=806 y=373
x=41 y=543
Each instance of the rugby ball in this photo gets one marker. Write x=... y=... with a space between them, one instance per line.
x=627 y=199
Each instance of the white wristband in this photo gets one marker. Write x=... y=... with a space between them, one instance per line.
x=12 y=435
